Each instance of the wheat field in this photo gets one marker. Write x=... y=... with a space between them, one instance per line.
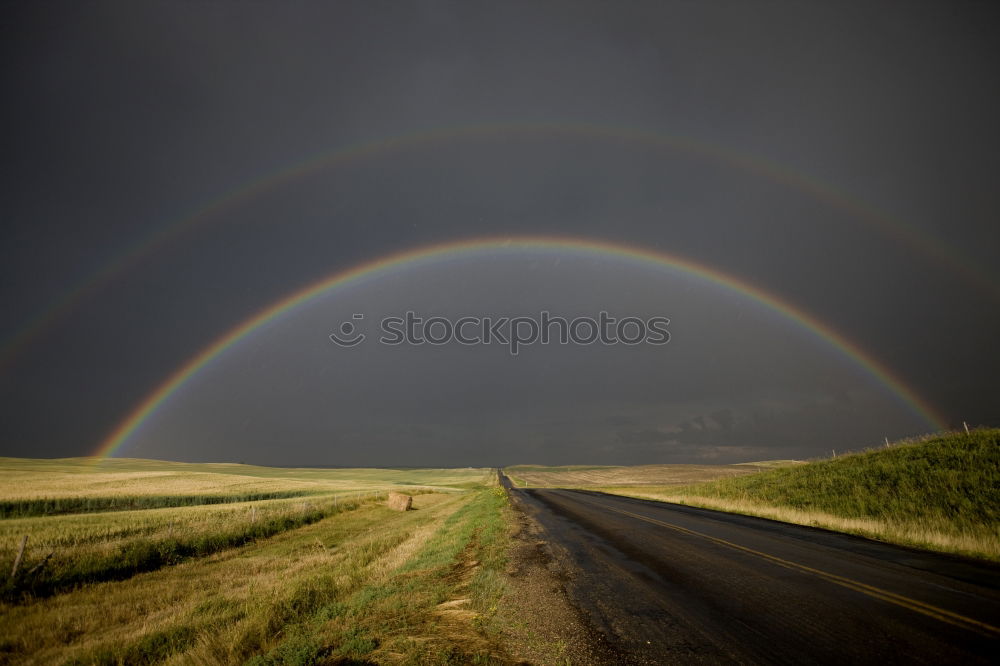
x=327 y=573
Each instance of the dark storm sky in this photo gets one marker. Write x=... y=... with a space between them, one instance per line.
x=121 y=117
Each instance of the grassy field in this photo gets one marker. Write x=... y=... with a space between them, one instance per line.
x=579 y=476
x=330 y=575
x=132 y=561
x=940 y=493
x=70 y=478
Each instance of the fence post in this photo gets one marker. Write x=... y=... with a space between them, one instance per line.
x=20 y=554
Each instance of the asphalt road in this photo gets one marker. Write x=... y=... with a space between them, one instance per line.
x=662 y=584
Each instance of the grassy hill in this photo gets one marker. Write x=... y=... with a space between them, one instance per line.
x=941 y=492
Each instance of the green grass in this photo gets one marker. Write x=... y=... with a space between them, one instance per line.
x=153 y=648
x=941 y=492
x=226 y=607
x=89 y=520
x=516 y=480
x=71 y=567
x=332 y=576
x=54 y=506
x=949 y=481
x=462 y=562
x=369 y=606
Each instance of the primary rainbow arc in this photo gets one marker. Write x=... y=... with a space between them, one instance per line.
x=176 y=380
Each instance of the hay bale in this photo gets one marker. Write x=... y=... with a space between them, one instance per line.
x=400 y=502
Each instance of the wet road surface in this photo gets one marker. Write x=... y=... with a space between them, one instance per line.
x=662 y=583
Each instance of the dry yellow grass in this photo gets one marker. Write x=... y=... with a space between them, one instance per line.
x=25 y=478
x=903 y=532
x=91 y=547
x=227 y=598
x=638 y=475
x=940 y=492
x=272 y=580
x=32 y=485
x=108 y=530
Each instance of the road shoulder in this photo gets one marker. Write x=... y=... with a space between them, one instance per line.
x=539 y=624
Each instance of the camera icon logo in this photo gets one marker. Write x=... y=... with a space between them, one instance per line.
x=349 y=336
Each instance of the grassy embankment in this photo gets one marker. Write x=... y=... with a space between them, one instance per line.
x=940 y=493
x=349 y=579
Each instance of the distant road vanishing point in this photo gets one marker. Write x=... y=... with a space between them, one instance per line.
x=663 y=584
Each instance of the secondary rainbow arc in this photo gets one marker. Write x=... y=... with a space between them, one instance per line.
x=177 y=379
x=928 y=246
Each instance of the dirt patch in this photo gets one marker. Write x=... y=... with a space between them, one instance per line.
x=538 y=624
x=455 y=619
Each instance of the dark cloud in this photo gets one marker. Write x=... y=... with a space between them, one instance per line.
x=840 y=157
x=643 y=437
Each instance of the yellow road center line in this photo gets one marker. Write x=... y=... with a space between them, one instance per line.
x=870 y=590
